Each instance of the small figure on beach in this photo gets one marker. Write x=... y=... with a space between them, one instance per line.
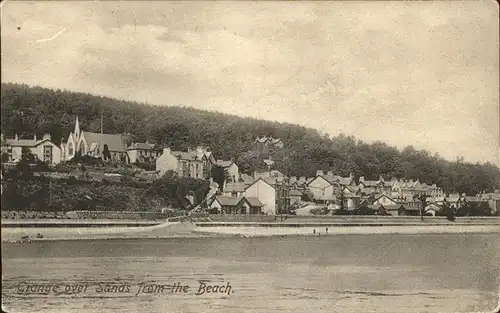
x=25 y=239
x=326 y=230
x=39 y=236
x=314 y=231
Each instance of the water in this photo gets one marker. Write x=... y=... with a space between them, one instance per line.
x=343 y=273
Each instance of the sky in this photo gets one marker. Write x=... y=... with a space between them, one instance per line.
x=407 y=73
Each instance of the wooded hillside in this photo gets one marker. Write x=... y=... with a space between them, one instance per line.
x=27 y=110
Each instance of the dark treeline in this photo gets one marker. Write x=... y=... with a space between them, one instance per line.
x=26 y=110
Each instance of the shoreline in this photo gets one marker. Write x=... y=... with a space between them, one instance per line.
x=178 y=230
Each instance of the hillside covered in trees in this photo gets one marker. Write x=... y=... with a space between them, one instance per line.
x=26 y=110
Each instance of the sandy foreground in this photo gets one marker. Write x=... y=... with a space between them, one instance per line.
x=178 y=230
x=166 y=230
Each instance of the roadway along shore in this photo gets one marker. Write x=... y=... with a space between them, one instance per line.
x=13 y=230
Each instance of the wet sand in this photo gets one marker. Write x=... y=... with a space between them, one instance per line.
x=342 y=273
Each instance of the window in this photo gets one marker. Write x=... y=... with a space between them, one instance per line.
x=70 y=148
x=9 y=152
x=47 y=154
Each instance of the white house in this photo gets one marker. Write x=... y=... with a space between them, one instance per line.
x=321 y=189
x=44 y=150
x=195 y=163
x=234 y=205
x=266 y=194
x=143 y=152
x=231 y=168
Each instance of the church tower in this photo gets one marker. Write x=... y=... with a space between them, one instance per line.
x=77 y=129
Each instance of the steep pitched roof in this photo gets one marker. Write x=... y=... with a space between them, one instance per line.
x=333 y=179
x=25 y=142
x=254 y=202
x=142 y=146
x=295 y=192
x=227 y=201
x=336 y=178
x=261 y=179
x=377 y=197
x=186 y=155
x=114 y=142
x=270 y=180
x=247 y=178
x=371 y=183
x=350 y=189
x=390 y=207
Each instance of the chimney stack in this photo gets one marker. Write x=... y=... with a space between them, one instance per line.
x=319 y=173
x=362 y=178
x=47 y=136
x=34 y=137
x=199 y=150
x=329 y=173
x=16 y=137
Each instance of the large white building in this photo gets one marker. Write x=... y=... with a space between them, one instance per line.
x=43 y=149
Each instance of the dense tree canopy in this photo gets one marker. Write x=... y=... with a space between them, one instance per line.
x=27 y=110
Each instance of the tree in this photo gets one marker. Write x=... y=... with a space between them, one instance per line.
x=341 y=202
x=233 y=137
x=219 y=175
x=106 y=155
x=250 y=161
x=27 y=156
x=423 y=200
x=23 y=170
x=5 y=157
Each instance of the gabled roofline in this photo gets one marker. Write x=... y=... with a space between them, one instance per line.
x=35 y=145
x=380 y=196
x=254 y=182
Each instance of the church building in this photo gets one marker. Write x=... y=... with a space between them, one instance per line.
x=94 y=144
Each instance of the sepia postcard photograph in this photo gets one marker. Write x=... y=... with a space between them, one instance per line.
x=250 y=156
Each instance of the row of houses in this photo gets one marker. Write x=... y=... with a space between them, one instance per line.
x=120 y=147
x=262 y=192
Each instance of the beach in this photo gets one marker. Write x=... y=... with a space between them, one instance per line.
x=102 y=230
x=163 y=230
x=342 y=273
